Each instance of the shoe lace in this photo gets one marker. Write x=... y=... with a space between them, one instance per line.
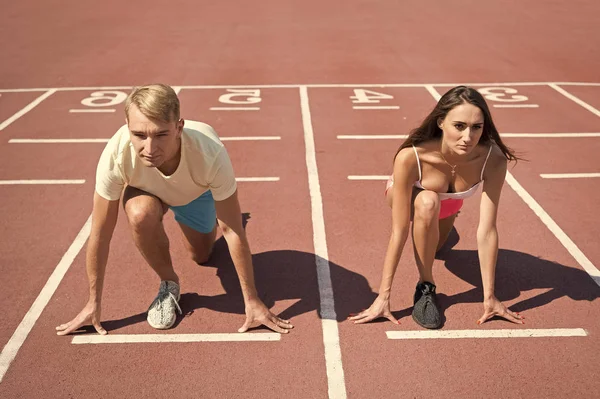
x=165 y=295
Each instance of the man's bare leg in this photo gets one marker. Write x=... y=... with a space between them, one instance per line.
x=145 y=213
x=199 y=245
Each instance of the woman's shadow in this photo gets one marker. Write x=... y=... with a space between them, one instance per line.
x=279 y=275
x=516 y=272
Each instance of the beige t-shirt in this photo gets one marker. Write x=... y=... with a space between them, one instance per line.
x=204 y=166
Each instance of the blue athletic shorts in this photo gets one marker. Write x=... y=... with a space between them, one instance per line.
x=200 y=214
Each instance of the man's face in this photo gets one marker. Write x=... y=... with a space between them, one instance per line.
x=155 y=142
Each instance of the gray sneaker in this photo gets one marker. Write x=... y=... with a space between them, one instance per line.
x=161 y=314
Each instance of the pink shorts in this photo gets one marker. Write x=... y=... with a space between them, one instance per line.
x=448 y=206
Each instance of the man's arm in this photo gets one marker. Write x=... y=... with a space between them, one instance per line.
x=230 y=220
x=104 y=219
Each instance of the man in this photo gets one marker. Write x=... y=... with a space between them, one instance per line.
x=156 y=164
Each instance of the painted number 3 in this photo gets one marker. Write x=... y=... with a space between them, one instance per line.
x=502 y=94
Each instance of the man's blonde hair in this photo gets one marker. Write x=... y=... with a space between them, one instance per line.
x=156 y=101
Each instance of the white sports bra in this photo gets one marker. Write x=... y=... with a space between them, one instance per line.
x=459 y=195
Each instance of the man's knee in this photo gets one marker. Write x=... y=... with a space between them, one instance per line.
x=142 y=216
x=201 y=256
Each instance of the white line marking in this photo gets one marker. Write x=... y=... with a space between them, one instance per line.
x=331 y=339
x=41 y=182
x=250 y=138
x=315 y=85
x=257 y=178
x=374 y=177
x=516 y=106
x=92 y=110
x=9 y=352
x=550 y=135
x=77 y=141
x=516 y=135
x=569 y=245
x=156 y=338
x=176 y=89
x=568 y=175
x=27 y=108
x=454 y=334
x=376 y=107
x=235 y=108
x=372 y=136
x=433 y=92
x=575 y=99
x=56 y=141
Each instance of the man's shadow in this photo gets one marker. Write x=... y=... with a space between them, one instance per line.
x=516 y=272
x=279 y=275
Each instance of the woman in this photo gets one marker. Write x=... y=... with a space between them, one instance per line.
x=456 y=149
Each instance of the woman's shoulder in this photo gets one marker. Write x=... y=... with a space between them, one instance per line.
x=496 y=162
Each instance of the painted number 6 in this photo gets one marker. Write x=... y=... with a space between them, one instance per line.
x=104 y=98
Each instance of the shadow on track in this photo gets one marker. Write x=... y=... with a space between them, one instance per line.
x=279 y=275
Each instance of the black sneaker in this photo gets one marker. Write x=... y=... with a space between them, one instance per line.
x=425 y=310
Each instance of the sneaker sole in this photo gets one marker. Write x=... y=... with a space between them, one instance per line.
x=428 y=326
x=157 y=327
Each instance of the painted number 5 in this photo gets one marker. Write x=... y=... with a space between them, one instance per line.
x=241 y=96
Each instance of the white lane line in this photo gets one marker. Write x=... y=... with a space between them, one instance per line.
x=376 y=107
x=515 y=135
x=92 y=110
x=569 y=245
x=331 y=338
x=40 y=182
x=374 y=177
x=550 y=135
x=159 y=338
x=433 y=92
x=78 y=141
x=314 y=85
x=250 y=138
x=235 y=108
x=508 y=333
x=176 y=89
x=568 y=175
x=516 y=106
x=371 y=136
x=575 y=99
x=26 y=109
x=9 y=352
x=56 y=141
x=250 y=179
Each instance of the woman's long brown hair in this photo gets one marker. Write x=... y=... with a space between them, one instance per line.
x=429 y=129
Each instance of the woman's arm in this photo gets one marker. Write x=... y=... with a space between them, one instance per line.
x=405 y=174
x=487 y=237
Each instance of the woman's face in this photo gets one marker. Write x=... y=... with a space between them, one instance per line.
x=462 y=128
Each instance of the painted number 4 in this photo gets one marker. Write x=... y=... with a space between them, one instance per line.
x=363 y=97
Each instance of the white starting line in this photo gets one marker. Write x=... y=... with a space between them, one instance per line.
x=507 y=333
x=568 y=175
x=160 y=338
x=40 y=182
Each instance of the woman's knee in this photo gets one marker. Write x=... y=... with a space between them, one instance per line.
x=427 y=205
